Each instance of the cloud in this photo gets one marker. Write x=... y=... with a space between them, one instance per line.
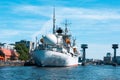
x=91 y=20
x=70 y=13
x=6 y=33
x=30 y=24
x=44 y=30
x=85 y=21
x=23 y=24
x=76 y=13
x=13 y=34
x=35 y=10
x=86 y=13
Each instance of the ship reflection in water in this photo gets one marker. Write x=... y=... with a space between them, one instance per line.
x=61 y=73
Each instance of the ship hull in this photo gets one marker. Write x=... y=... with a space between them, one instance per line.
x=54 y=59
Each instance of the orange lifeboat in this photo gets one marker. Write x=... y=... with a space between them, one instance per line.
x=74 y=50
x=67 y=40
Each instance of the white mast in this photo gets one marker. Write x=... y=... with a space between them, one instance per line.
x=54 y=20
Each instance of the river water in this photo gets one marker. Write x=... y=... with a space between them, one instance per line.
x=60 y=73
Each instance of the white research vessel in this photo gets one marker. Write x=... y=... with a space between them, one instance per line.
x=56 y=49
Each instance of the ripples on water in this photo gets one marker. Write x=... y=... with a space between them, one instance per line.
x=60 y=73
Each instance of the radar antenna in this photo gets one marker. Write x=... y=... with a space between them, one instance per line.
x=66 y=25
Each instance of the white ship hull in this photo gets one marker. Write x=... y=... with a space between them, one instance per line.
x=52 y=58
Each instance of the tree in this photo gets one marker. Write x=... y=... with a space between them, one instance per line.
x=23 y=51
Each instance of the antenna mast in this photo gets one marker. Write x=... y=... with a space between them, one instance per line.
x=66 y=25
x=54 y=20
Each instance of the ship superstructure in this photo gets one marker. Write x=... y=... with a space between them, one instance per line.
x=56 y=49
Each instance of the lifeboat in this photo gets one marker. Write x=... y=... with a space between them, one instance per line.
x=74 y=50
x=67 y=40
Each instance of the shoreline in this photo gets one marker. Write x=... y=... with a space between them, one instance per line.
x=12 y=63
x=27 y=63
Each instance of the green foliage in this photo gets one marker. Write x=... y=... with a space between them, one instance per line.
x=23 y=51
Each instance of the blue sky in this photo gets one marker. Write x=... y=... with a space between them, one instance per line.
x=93 y=22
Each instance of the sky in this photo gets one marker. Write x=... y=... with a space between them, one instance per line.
x=92 y=22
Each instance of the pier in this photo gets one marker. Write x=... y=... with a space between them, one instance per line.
x=12 y=63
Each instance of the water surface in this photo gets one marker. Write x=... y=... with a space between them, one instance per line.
x=60 y=73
